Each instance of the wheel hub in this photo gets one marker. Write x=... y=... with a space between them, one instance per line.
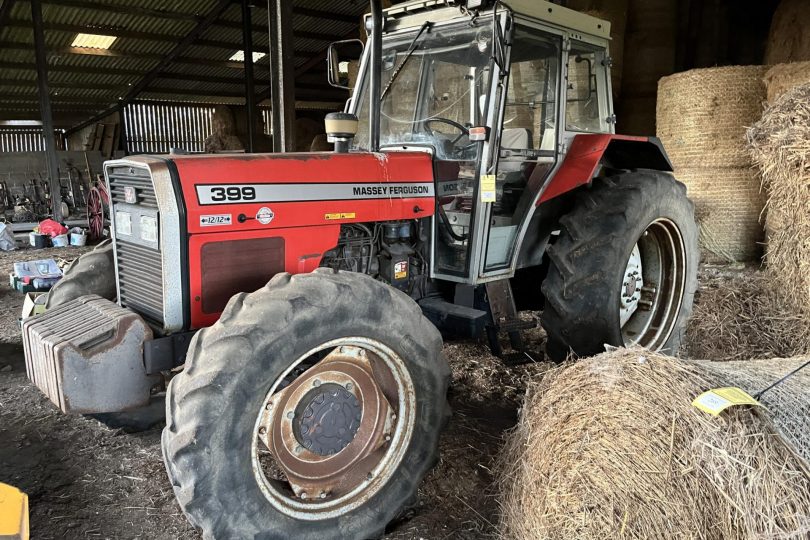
x=327 y=419
x=632 y=285
x=328 y=428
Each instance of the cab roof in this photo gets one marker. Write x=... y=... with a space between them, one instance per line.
x=534 y=9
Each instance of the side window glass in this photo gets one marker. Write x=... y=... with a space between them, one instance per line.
x=585 y=94
x=528 y=138
x=531 y=96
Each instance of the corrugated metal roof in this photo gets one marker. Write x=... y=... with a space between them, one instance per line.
x=147 y=30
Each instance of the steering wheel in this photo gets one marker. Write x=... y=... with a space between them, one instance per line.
x=464 y=131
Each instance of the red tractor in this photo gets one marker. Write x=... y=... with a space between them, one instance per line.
x=291 y=305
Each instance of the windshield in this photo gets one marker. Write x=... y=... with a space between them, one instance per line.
x=435 y=87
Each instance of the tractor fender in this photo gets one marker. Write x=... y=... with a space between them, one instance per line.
x=589 y=151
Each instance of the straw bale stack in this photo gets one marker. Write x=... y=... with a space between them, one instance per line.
x=789 y=38
x=783 y=77
x=611 y=447
x=703 y=114
x=728 y=203
x=223 y=132
x=780 y=147
x=743 y=315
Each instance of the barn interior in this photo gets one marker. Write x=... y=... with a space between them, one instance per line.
x=723 y=84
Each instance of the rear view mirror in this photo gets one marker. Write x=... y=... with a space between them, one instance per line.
x=342 y=58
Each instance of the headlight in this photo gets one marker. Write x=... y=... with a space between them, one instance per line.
x=149 y=229
x=123 y=223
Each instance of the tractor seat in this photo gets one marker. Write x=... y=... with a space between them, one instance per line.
x=514 y=139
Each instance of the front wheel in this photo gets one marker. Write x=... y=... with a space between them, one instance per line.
x=311 y=409
x=623 y=271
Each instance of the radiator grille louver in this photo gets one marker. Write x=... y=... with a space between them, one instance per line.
x=140 y=280
x=135 y=178
x=140 y=268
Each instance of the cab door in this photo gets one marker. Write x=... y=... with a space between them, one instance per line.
x=527 y=145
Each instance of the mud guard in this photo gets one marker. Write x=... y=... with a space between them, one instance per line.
x=588 y=151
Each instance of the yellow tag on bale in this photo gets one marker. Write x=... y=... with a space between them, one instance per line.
x=487 y=188
x=718 y=400
x=13 y=513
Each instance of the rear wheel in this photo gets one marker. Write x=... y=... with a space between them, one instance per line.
x=95 y=214
x=623 y=271
x=318 y=399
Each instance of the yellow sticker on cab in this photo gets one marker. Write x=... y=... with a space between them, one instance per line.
x=717 y=400
x=488 y=188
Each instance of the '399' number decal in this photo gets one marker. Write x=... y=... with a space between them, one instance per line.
x=233 y=194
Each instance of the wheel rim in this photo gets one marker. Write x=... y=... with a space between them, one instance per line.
x=333 y=428
x=95 y=214
x=652 y=287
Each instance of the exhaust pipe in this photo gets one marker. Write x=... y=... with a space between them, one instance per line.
x=375 y=84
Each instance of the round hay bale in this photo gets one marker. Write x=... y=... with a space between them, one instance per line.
x=728 y=205
x=789 y=38
x=702 y=115
x=223 y=132
x=611 y=447
x=783 y=77
x=787 y=403
x=222 y=121
x=780 y=148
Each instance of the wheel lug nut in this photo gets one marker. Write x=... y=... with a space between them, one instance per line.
x=349 y=386
x=291 y=415
x=323 y=494
x=269 y=406
x=262 y=430
x=304 y=495
x=299 y=449
x=362 y=353
x=316 y=383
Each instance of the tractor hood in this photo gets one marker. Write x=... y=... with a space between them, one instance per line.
x=303 y=189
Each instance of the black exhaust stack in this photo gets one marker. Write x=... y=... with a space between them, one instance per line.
x=375 y=84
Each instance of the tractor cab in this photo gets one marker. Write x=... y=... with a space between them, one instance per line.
x=495 y=94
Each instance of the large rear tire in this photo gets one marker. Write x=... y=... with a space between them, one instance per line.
x=624 y=268
x=240 y=428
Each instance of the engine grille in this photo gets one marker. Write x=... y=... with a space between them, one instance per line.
x=140 y=268
x=140 y=280
x=139 y=179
